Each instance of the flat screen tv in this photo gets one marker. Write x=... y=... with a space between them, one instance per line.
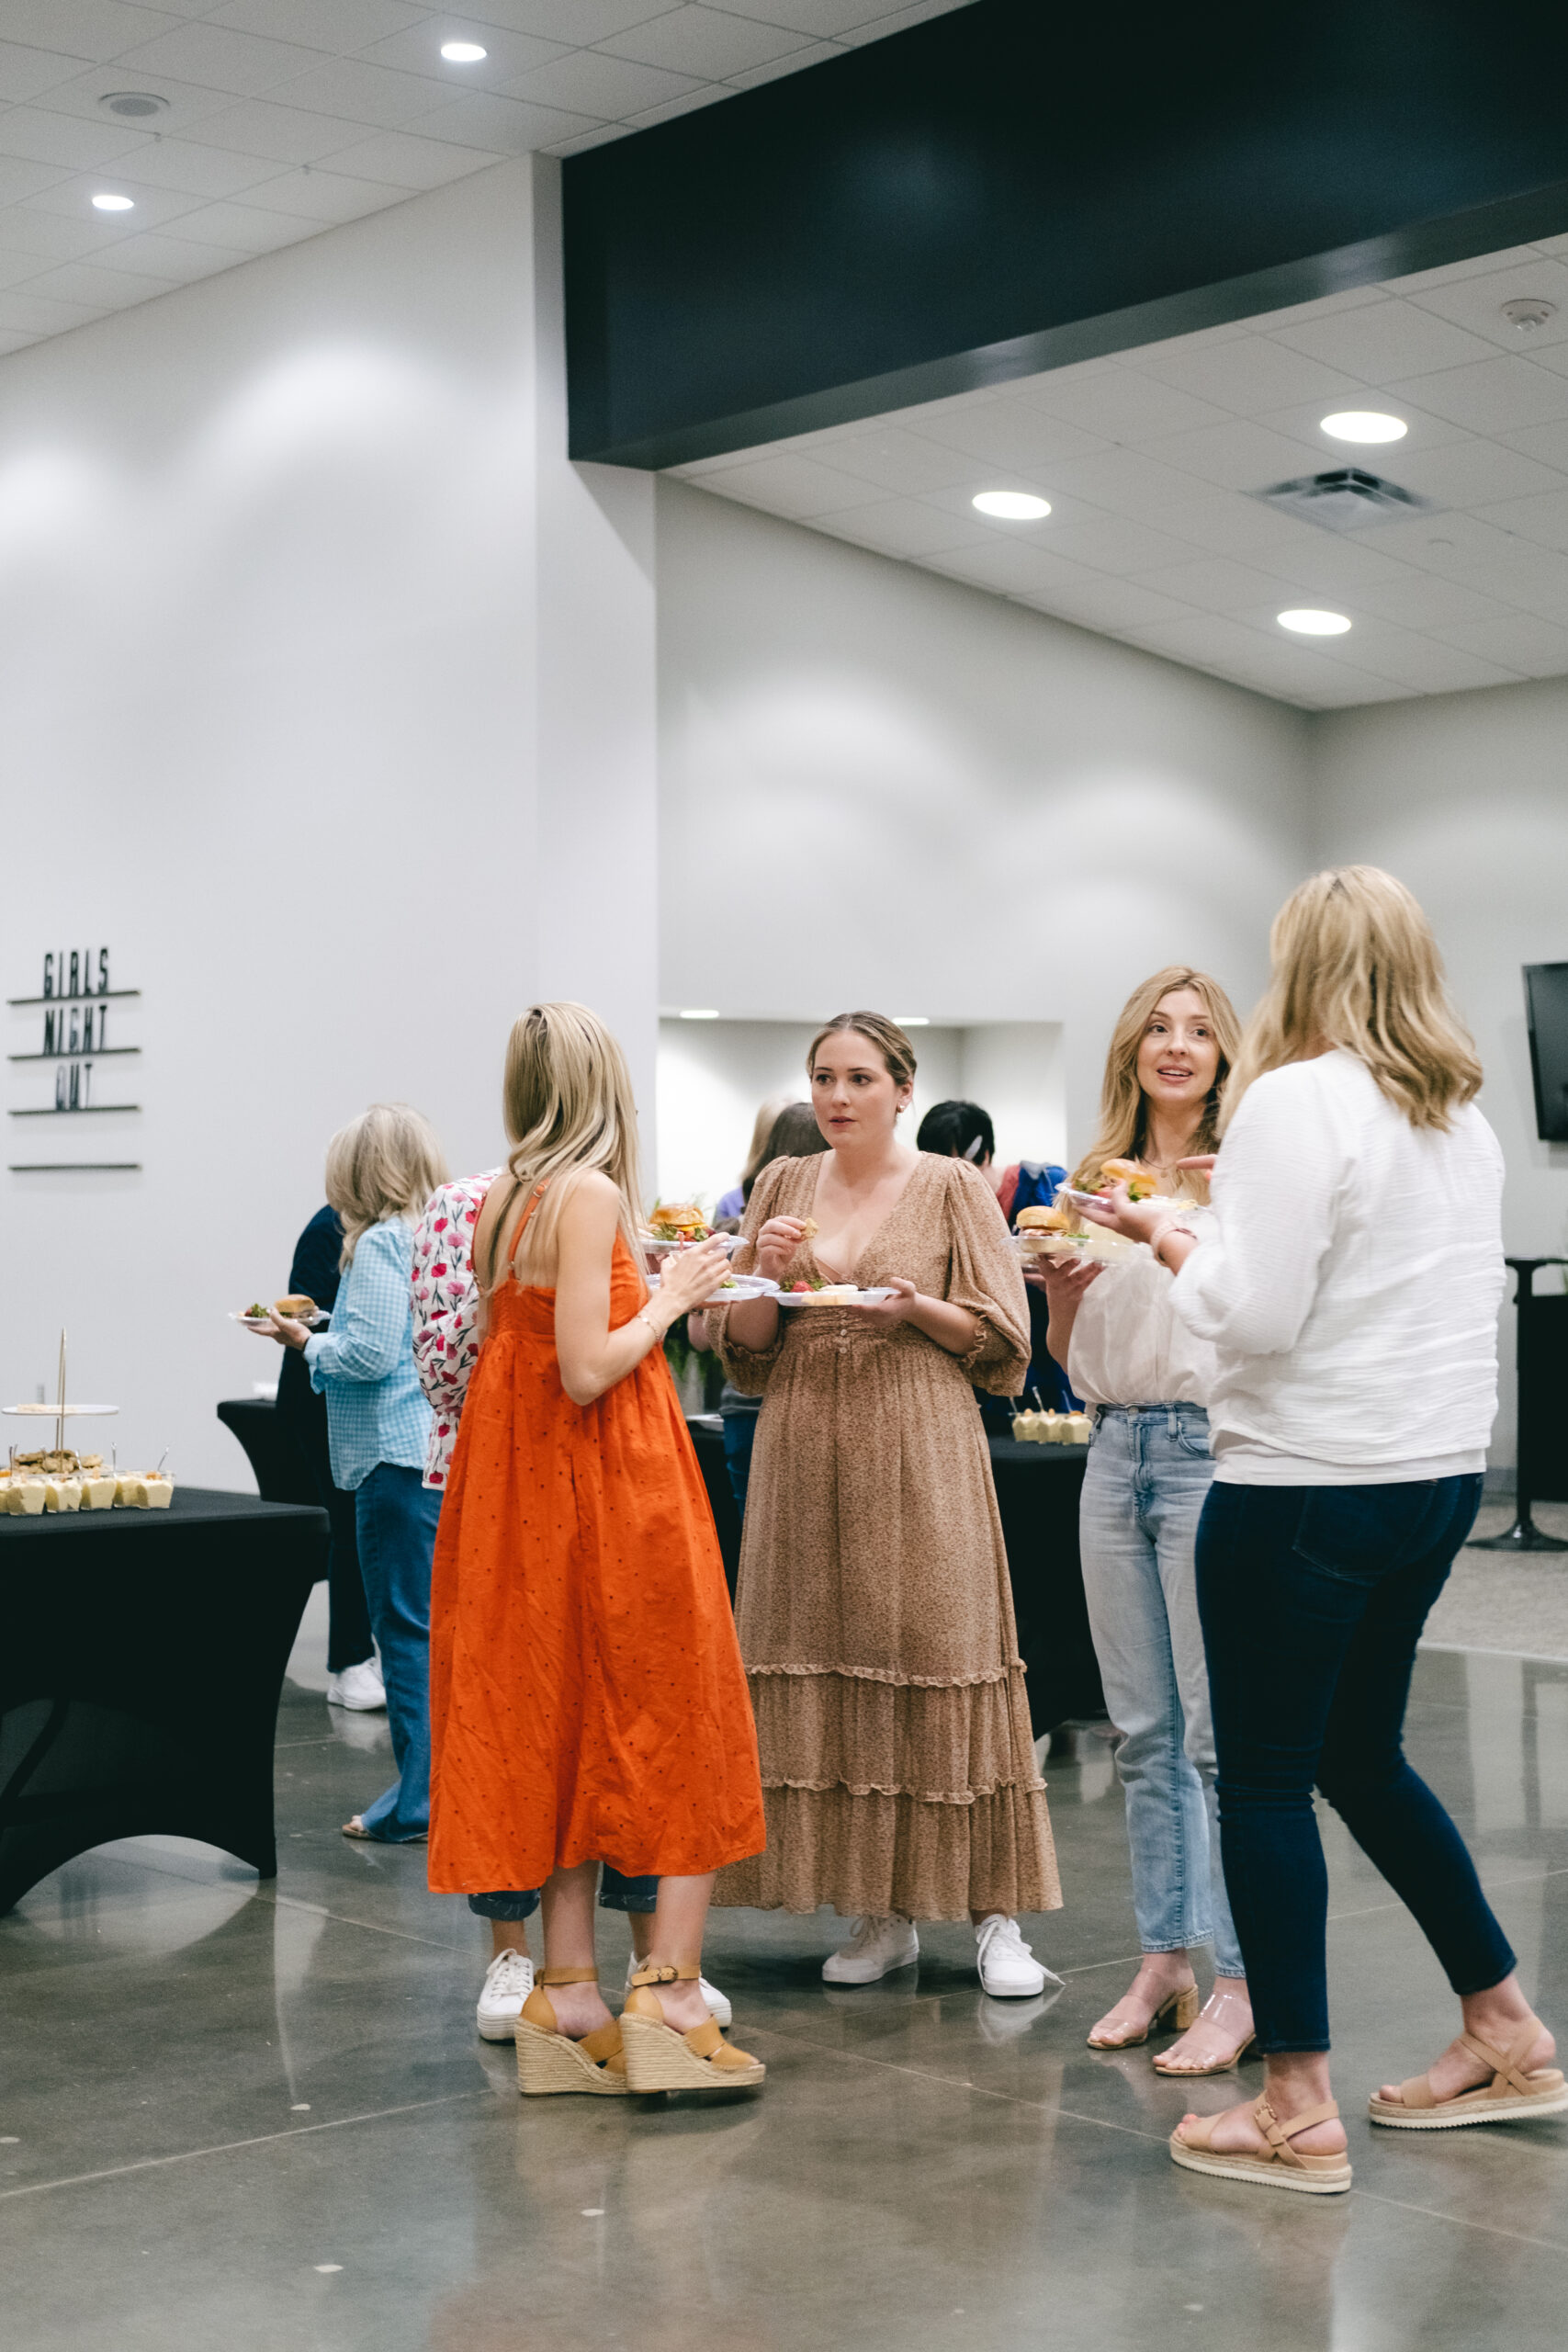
x=1546 y=999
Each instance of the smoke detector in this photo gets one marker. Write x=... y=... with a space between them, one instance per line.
x=1348 y=499
x=1525 y=315
x=133 y=105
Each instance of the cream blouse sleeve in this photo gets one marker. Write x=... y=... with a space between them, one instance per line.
x=749 y=1369
x=985 y=1275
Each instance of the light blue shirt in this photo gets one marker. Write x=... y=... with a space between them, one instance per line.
x=364 y=1365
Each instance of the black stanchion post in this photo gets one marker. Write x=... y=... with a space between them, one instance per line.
x=1540 y=1352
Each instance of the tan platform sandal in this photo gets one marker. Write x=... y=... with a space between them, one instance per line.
x=1283 y=2167
x=1181 y=2009
x=548 y=2060
x=660 y=2058
x=1510 y=2094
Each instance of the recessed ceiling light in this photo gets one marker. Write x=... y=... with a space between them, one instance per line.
x=113 y=204
x=463 y=52
x=133 y=105
x=698 y=1012
x=1364 y=424
x=1011 y=505
x=1307 y=623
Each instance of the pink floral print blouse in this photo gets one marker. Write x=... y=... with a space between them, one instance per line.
x=446 y=1305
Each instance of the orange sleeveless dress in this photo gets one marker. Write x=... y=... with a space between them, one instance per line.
x=587 y=1699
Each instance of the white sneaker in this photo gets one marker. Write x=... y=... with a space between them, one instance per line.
x=876 y=1948
x=1009 y=1969
x=509 y=1980
x=359 y=1687
x=718 y=2003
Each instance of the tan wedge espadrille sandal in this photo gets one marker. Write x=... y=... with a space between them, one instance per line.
x=659 y=2058
x=1509 y=2094
x=547 y=2060
x=1282 y=2167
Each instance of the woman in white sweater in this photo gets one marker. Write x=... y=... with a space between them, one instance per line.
x=1350 y=1292
x=1124 y=1349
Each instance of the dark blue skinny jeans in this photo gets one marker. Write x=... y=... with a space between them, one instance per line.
x=1313 y=1599
x=616 y=1893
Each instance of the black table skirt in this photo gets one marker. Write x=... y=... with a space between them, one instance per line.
x=113 y=1626
x=1037 y=1495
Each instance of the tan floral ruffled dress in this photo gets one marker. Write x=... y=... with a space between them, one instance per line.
x=874 y=1607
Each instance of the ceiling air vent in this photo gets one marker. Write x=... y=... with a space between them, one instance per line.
x=1345 y=500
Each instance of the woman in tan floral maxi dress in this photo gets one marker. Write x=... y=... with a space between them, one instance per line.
x=874 y=1607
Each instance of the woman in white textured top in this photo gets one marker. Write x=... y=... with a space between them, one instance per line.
x=1125 y=1352
x=1350 y=1293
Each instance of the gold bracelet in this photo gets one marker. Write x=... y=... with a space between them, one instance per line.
x=642 y=1317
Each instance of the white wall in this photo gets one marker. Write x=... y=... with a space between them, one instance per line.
x=270 y=644
x=883 y=787
x=1465 y=797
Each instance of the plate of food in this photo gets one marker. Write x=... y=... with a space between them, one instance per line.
x=732 y=1289
x=1063 y=1233
x=295 y=1305
x=677 y=1225
x=815 y=1293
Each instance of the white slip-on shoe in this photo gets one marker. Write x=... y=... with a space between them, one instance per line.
x=876 y=1948
x=357 y=1687
x=718 y=2003
x=509 y=1980
x=1009 y=1969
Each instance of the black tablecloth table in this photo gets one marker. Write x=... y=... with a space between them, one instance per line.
x=1037 y=1495
x=114 y=1625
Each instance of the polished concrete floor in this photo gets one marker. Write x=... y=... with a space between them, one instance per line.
x=256 y=2118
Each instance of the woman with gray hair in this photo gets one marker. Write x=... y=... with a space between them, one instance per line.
x=381 y=1169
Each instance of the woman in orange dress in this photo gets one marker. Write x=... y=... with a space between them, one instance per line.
x=588 y=1702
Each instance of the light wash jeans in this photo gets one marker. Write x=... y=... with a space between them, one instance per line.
x=395 y=1515
x=1148 y=1474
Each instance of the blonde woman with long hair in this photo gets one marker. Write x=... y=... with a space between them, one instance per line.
x=1115 y=1332
x=381 y=1169
x=1349 y=1290
x=588 y=1700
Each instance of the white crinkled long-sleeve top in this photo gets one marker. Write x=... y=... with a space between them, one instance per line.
x=1350 y=1284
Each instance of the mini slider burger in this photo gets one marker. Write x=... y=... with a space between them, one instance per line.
x=1037 y=1227
x=1141 y=1186
x=684 y=1221
x=296 y=1308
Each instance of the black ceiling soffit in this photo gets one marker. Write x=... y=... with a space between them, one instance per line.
x=1016 y=185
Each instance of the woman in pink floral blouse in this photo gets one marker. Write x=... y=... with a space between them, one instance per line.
x=446 y=1349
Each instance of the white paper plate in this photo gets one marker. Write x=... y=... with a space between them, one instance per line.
x=814 y=1298
x=746 y=1286
x=264 y=1322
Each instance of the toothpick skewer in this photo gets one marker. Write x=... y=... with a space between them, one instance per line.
x=60 y=1401
x=162 y=1459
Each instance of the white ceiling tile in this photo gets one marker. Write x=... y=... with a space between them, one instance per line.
x=36 y=315
x=901 y=19
x=1493 y=562
x=1335 y=564
x=826 y=18
x=1126 y=480
x=901 y=461
x=1114 y=543
x=793 y=486
x=1216 y=584
x=1547 y=441
x=600 y=136
x=1423 y=663
x=1227 y=523
x=19 y=180
x=900 y=527
x=1552 y=244
x=1380 y=340
x=340 y=24
x=507 y=54
x=1476 y=302
x=1122 y=405
x=91 y=29
x=703 y=96
x=179 y=260
x=403 y=159
x=355 y=91
x=315 y=195
x=218 y=60
x=1215 y=637
x=49 y=236
x=244 y=228
x=193 y=168
x=577 y=23
x=72 y=197
x=1249 y=374
x=1238 y=455
x=504 y=126
x=282 y=134
x=102 y=290
x=1420 y=281
x=188 y=103
x=1495 y=396
x=589 y=83
x=1470 y=473
x=16 y=267
x=1423 y=601
x=1296 y=314
x=1543 y=520
x=1110 y=605
x=36 y=136
x=1008 y=433
x=702 y=42
x=1007 y=571
x=819 y=53
x=1304 y=424
x=28 y=72
x=1518 y=641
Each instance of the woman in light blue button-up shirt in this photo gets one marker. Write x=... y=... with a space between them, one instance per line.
x=381 y=1169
